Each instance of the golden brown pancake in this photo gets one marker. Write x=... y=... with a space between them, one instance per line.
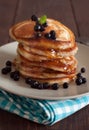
x=62 y=64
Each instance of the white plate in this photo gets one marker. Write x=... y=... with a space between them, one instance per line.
x=8 y=52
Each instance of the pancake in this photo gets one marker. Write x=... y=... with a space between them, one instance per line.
x=24 y=33
x=64 y=65
x=51 y=53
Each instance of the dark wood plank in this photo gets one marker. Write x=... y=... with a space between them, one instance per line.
x=81 y=13
x=10 y=121
x=7 y=14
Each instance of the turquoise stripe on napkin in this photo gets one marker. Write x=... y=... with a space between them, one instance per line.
x=41 y=111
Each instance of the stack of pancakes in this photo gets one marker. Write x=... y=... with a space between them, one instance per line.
x=42 y=59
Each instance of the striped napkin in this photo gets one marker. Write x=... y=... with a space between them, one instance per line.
x=41 y=111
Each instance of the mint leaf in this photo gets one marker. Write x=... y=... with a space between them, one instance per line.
x=43 y=19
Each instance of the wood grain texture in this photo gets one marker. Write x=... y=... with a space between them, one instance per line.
x=74 y=14
x=81 y=14
x=7 y=14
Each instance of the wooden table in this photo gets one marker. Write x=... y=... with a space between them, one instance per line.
x=75 y=15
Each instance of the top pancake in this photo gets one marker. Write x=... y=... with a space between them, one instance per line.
x=65 y=41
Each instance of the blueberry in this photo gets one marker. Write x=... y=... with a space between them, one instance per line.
x=55 y=86
x=34 y=18
x=12 y=75
x=15 y=75
x=45 y=85
x=52 y=32
x=65 y=85
x=6 y=70
x=35 y=84
x=84 y=80
x=28 y=81
x=48 y=35
x=83 y=69
x=79 y=75
x=8 y=63
x=53 y=37
x=37 y=27
x=79 y=81
x=42 y=29
x=40 y=86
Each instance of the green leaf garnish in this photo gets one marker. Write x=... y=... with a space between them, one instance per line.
x=43 y=19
